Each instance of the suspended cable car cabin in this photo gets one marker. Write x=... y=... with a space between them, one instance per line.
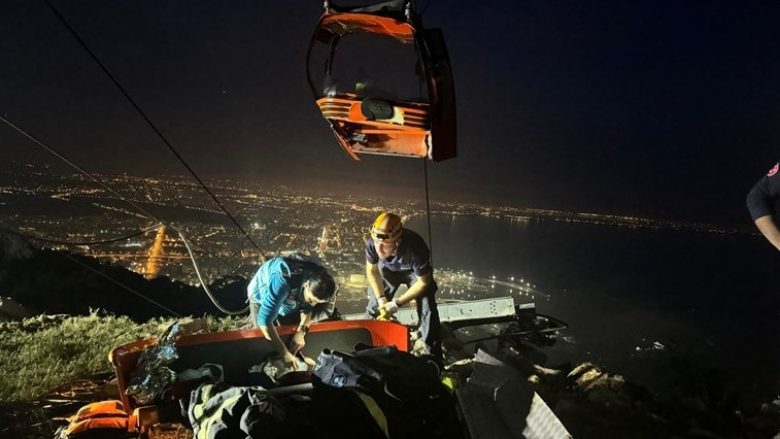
x=383 y=82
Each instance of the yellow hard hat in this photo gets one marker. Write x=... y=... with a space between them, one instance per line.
x=387 y=227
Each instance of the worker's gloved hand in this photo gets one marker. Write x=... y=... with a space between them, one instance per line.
x=382 y=301
x=290 y=360
x=390 y=308
x=298 y=342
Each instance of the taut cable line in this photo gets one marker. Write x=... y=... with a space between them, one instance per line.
x=107 y=241
x=132 y=203
x=153 y=126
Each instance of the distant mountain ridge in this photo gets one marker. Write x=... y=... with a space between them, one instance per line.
x=14 y=246
x=56 y=282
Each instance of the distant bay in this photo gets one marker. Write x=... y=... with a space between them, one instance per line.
x=635 y=299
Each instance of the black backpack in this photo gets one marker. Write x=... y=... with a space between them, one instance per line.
x=219 y=411
x=406 y=388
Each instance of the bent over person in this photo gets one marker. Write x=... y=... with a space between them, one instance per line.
x=397 y=256
x=761 y=202
x=285 y=288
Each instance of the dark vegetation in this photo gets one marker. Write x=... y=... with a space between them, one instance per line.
x=58 y=347
x=53 y=282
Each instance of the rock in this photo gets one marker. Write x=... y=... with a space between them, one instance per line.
x=600 y=382
x=604 y=391
x=771 y=407
x=587 y=377
x=580 y=369
x=546 y=371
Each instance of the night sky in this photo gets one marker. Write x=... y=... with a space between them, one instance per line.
x=669 y=108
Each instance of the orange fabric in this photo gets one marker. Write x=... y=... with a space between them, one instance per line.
x=101 y=415
x=100 y=409
x=110 y=423
x=349 y=22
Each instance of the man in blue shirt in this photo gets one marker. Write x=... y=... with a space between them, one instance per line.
x=761 y=202
x=396 y=256
x=284 y=287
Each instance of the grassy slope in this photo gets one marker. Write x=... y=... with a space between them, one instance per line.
x=40 y=353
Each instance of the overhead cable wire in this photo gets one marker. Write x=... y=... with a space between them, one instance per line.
x=108 y=188
x=420 y=83
x=203 y=284
x=129 y=201
x=93 y=177
x=107 y=241
x=428 y=208
x=78 y=168
x=153 y=126
x=194 y=238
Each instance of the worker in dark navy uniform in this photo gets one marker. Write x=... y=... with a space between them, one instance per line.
x=762 y=203
x=396 y=256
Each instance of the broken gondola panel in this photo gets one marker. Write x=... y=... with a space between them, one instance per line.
x=383 y=82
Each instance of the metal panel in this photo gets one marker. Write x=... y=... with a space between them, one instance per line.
x=498 y=403
x=542 y=422
x=460 y=311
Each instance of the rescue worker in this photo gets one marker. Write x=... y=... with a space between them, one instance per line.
x=284 y=287
x=761 y=202
x=397 y=256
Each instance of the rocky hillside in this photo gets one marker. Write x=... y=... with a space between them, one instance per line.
x=55 y=282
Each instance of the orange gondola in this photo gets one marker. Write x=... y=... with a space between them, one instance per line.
x=237 y=351
x=383 y=82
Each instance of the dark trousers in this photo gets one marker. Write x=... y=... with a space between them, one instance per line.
x=427 y=312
